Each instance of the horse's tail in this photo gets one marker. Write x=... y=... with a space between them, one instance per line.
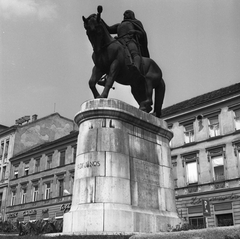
x=159 y=96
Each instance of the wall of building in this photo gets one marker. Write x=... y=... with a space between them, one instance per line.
x=42 y=207
x=40 y=131
x=47 y=172
x=201 y=150
x=6 y=152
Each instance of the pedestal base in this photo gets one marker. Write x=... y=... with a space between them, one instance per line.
x=105 y=218
x=123 y=182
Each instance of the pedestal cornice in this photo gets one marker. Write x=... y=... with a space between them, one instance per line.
x=116 y=109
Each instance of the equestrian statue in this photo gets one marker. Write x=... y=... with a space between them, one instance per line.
x=124 y=59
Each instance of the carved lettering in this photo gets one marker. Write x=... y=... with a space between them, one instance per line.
x=88 y=164
x=196 y=200
x=11 y=215
x=29 y=212
x=45 y=210
x=65 y=207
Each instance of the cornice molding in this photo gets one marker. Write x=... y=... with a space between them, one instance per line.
x=118 y=110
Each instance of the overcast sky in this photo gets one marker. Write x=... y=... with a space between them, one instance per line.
x=45 y=55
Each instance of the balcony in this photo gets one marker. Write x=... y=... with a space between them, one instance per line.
x=189 y=136
x=219 y=181
x=214 y=130
x=192 y=188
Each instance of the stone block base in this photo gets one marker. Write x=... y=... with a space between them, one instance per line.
x=105 y=218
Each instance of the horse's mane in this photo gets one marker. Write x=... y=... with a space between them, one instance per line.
x=92 y=15
x=102 y=23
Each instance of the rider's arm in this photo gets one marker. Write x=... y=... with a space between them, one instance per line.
x=135 y=32
x=111 y=29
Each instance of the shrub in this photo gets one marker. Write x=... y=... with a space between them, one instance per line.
x=31 y=228
x=71 y=237
x=39 y=227
x=8 y=226
x=232 y=237
x=183 y=227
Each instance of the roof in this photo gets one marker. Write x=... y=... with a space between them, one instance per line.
x=201 y=100
x=45 y=117
x=8 y=130
x=3 y=127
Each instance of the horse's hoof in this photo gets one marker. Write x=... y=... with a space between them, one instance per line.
x=143 y=108
x=148 y=109
x=101 y=97
x=102 y=82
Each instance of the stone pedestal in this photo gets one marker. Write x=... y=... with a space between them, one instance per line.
x=123 y=181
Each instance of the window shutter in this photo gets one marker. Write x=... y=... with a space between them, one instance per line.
x=223 y=206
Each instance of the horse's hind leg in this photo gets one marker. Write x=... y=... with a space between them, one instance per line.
x=159 y=96
x=146 y=104
x=139 y=93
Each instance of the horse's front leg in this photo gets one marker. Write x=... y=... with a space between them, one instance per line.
x=95 y=77
x=114 y=69
x=147 y=104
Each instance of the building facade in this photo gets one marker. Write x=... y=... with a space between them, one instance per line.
x=41 y=180
x=21 y=137
x=205 y=154
x=7 y=137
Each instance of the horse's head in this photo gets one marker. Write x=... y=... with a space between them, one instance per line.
x=95 y=30
x=91 y=24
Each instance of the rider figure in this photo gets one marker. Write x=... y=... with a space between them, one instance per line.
x=132 y=34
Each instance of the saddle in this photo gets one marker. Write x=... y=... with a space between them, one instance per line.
x=133 y=71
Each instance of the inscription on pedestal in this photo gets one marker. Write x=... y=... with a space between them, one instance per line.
x=88 y=164
x=148 y=196
x=146 y=172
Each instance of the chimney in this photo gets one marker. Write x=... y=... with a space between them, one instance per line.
x=34 y=117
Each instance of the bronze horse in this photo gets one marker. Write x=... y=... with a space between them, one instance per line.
x=109 y=59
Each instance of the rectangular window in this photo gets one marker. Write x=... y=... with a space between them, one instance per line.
x=24 y=193
x=175 y=183
x=189 y=133
x=26 y=169
x=71 y=183
x=214 y=129
x=74 y=153
x=192 y=173
x=37 y=165
x=0 y=200
x=35 y=193
x=62 y=158
x=47 y=190
x=197 y=222
x=49 y=161
x=218 y=168
x=4 y=173
x=238 y=153
x=237 y=119
x=16 y=173
x=13 y=198
x=60 y=189
x=6 y=150
x=224 y=220
x=2 y=149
